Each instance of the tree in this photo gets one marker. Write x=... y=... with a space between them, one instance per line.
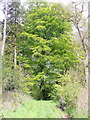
x=46 y=50
x=10 y=71
x=13 y=22
x=79 y=21
x=4 y=31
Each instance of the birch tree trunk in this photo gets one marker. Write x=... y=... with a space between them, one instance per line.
x=15 y=40
x=4 y=30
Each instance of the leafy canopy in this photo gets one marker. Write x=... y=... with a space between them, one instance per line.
x=46 y=49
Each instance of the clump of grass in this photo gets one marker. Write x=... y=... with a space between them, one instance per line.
x=77 y=113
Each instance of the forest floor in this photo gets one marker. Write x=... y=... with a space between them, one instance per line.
x=18 y=105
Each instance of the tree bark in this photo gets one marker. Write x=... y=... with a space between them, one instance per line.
x=15 y=53
x=4 y=31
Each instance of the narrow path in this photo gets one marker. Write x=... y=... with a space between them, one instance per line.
x=14 y=107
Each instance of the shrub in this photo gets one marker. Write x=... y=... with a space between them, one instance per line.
x=66 y=91
x=11 y=78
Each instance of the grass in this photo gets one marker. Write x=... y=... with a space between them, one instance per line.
x=18 y=105
x=77 y=113
x=36 y=109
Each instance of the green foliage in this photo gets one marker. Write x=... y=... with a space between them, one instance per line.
x=10 y=74
x=38 y=86
x=48 y=64
x=67 y=90
x=77 y=113
x=46 y=49
x=11 y=77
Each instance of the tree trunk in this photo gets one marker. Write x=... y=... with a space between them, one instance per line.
x=15 y=54
x=88 y=58
x=4 y=31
